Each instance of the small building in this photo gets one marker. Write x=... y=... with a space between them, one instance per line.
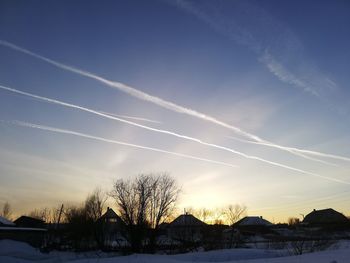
x=325 y=217
x=253 y=221
x=249 y=230
x=24 y=229
x=252 y=225
x=186 y=228
x=112 y=229
x=6 y=223
x=31 y=222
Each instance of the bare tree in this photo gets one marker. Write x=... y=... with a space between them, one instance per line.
x=93 y=208
x=203 y=214
x=146 y=201
x=293 y=221
x=127 y=199
x=164 y=194
x=7 y=211
x=94 y=204
x=42 y=214
x=132 y=197
x=218 y=215
x=79 y=226
x=83 y=222
x=234 y=212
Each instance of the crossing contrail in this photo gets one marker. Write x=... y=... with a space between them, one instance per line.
x=131 y=117
x=88 y=136
x=297 y=153
x=167 y=104
x=189 y=138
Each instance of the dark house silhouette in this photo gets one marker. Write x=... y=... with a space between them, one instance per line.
x=325 y=217
x=110 y=217
x=250 y=221
x=30 y=222
x=252 y=225
x=25 y=229
x=186 y=228
x=112 y=227
x=5 y=222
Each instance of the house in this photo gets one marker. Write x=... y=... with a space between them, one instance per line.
x=186 y=228
x=325 y=217
x=110 y=217
x=112 y=227
x=30 y=222
x=5 y=222
x=251 y=226
x=24 y=229
x=255 y=221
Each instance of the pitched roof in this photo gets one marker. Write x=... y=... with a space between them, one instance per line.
x=110 y=214
x=325 y=216
x=6 y=222
x=187 y=220
x=253 y=221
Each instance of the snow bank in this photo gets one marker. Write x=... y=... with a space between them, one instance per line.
x=11 y=247
x=19 y=252
x=226 y=255
x=332 y=256
x=13 y=251
x=329 y=256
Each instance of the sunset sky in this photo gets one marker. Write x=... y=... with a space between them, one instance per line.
x=240 y=101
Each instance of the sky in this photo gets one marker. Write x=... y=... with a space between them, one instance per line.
x=242 y=102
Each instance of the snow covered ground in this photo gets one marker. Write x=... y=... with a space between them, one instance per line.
x=18 y=252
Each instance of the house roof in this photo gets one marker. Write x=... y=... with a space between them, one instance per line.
x=29 y=219
x=110 y=214
x=6 y=222
x=253 y=221
x=187 y=220
x=325 y=216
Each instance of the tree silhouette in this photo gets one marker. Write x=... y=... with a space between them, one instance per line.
x=144 y=203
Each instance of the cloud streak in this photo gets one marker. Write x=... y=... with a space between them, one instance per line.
x=251 y=26
x=88 y=136
x=167 y=104
x=131 y=117
x=300 y=154
x=284 y=75
x=185 y=137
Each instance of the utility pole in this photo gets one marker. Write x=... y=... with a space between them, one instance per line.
x=59 y=217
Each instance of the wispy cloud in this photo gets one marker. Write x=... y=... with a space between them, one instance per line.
x=185 y=137
x=88 y=136
x=161 y=102
x=284 y=75
x=272 y=41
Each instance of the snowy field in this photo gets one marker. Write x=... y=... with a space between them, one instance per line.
x=12 y=251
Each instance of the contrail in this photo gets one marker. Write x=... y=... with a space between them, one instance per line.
x=165 y=104
x=297 y=153
x=170 y=133
x=79 y=134
x=131 y=117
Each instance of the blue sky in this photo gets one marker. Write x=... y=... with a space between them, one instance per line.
x=276 y=71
